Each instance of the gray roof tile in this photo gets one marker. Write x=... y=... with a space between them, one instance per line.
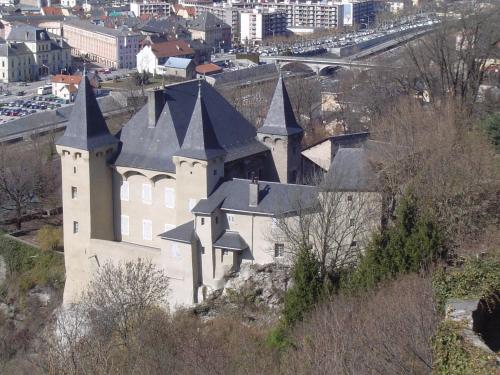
x=230 y=129
x=230 y=240
x=351 y=170
x=182 y=233
x=200 y=141
x=280 y=119
x=86 y=128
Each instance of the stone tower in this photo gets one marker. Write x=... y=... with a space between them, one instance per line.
x=85 y=148
x=199 y=162
x=283 y=135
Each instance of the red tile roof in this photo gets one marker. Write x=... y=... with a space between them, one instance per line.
x=208 y=69
x=52 y=11
x=172 y=48
x=61 y=78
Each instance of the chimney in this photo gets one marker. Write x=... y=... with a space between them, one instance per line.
x=253 y=187
x=156 y=101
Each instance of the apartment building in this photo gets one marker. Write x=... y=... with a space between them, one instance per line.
x=211 y=30
x=160 y=8
x=107 y=47
x=29 y=53
x=257 y=24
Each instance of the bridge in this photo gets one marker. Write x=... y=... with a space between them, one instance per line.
x=320 y=65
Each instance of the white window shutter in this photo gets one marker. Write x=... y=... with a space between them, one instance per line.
x=147 y=230
x=146 y=194
x=169 y=198
x=124 y=191
x=125 y=225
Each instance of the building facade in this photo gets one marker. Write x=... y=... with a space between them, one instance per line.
x=29 y=53
x=106 y=47
x=211 y=30
x=255 y=24
x=159 y=8
x=179 y=187
x=153 y=56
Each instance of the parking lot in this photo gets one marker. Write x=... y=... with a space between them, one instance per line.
x=23 y=107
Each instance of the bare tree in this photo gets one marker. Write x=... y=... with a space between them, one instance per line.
x=333 y=224
x=387 y=331
x=451 y=59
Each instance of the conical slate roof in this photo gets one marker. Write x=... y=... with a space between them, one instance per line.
x=200 y=141
x=149 y=147
x=280 y=119
x=86 y=129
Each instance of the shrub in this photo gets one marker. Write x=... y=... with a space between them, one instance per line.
x=453 y=356
x=49 y=238
x=475 y=278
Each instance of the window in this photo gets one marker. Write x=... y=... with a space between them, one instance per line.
x=73 y=192
x=216 y=220
x=124 y=191
x=147 y=230
x=215 y=172
x=75 y=226
x=351 y=222
x=169 y=198
x=146 y=194
x=274 y=223
x=354 y=244
x=225 y=252
x=202 y=249
x=230 y=218
x=349 y=198
x=202 y=221
x=191 y=203
x=279 y=250
x=175 y=250
x=124 y=225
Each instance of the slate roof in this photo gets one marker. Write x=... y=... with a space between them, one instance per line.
x=280 y=119
x=89 y=26
x=200 y=141
x=182 y=233
x=87 y=128
x=153 y=148
x=274 y=198
x=230 y=240
x=207 y=21
x=27 y=33
x=177 y=63
x=351 y=170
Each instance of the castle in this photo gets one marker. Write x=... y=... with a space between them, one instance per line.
x=187 y=183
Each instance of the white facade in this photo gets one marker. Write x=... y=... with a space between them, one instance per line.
x=256 y=24
x=150 y=7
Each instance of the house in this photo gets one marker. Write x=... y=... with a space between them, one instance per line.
x=151 y=57
x=188 y=183
x=178 y=67
x=66 y=86
x=207 y=69
x=212 y=30
x=185 y=12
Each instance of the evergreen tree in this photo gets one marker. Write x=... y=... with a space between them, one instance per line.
x=410 y=244
x=306 y=290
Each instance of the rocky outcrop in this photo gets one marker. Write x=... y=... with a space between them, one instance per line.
x=255 y=292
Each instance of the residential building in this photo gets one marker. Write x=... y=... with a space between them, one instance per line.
x=66 y=86
x=157 y=8
x=107 y=47
x=212 y=30
x=153 y=56
x=71 y=3
x=174 y=187
x=257 y=24
x=178 y=67
x=29 y=53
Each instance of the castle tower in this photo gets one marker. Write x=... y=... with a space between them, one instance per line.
x=282 y=134
x=199 y=162
x=85 y=148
